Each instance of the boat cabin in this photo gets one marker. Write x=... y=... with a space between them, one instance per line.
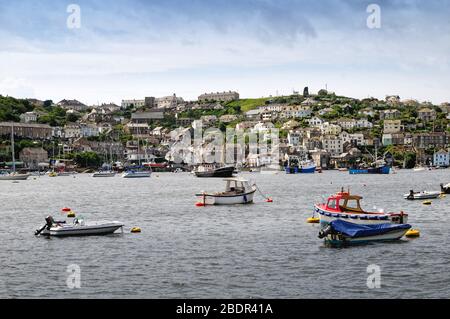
x=344 y=202
x=236 y=185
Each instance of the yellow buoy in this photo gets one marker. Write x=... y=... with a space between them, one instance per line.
x=71 y=215
x=428 y=202
x=313 y=220
x=413 y=233
x=136 y=230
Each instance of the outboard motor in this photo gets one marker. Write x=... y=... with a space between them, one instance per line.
x=411 y=195
x=49 y=221
x=325 y=232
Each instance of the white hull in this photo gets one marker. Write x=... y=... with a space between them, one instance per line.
x=78 y=230
x=360 y=219
x=424 y=195
x=394 y=235
x=211 y=199
x=103 y=174
x=136 y=175
x=14 y=177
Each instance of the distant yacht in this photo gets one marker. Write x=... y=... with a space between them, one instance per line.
x=137 y=173
x=13 y=176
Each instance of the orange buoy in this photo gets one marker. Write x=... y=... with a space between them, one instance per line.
x=269 y=200
x=66 y=210
x=200 y=205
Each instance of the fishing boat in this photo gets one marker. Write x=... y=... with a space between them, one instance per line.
x=237 y=191
x=347 y=207
x=296 y=166
x=13 y=175
x=422 y=195
x=342 y=233
x=222 y=172
x=445 y=188
x=78 y=228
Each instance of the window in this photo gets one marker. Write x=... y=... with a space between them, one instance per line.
x=332 y=203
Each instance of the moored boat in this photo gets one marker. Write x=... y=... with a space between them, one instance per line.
x=104 y=174
x=347 y=207
x=222 y=172
x=445 y=188
x=385 y=170
x=341 y=233
x=79 y=227
x=14 y=177
x=422 y=195
x=296 y=166
x=237 y=191
x=137 y=172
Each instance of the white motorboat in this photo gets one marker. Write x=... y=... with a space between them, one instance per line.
x=78 y=228
x=237 y=191
x=137 y=174
x=104 y=174
x=422 y=195
x=14 y=177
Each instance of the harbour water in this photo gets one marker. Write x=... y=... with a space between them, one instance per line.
x=264 y=250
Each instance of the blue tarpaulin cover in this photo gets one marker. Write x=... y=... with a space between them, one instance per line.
x=357 y=231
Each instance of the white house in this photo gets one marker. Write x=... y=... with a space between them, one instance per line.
x=441 y=158
x=294 y=138
x=29 y=117
x=333 y=144
x=315 y=121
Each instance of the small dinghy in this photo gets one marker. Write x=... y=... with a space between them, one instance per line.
x=422 y=195
x=79 y=227
x=341 y=233
x=237 y=191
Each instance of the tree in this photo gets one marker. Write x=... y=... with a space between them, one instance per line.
x=87 y=159
x=322 y=93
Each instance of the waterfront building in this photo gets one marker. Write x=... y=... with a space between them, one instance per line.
x=148 y=116
x=32 y=157
x=25 y=130
x=333 y=144
x=72 y=130
x=426 y=140
x=315 y=121
x=168 y=102
x=441 y=158
x=253 y=114
x=219 y=96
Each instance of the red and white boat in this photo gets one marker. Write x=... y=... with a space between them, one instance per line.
x=347 y=207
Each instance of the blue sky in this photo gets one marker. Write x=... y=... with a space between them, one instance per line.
x=135 y=48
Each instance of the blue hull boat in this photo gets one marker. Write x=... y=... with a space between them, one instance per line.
x=342 y=233
x=378 y=170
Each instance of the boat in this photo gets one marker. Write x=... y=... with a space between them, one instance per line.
x=445 y=188
x=237 y=191
x=372 y=170
x=342 y=233
x=105 y=171
x=13 y=175
x=347 y=207
x=422 y=195
x=296 y=166
x=104 y=174
x=78 y=228
x=420 y=169
x=222 y=172
x=137 y=172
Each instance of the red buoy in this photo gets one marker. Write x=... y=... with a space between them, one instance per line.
x=269 y=200
x=66 y=210
x=200 y=205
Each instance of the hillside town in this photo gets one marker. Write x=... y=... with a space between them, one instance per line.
x=334 y=131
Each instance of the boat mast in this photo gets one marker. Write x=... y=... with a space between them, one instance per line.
x=12 y=148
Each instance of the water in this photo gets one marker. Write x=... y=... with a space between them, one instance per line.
x=264 y=250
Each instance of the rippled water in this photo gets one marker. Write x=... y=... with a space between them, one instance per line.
x=264 y=250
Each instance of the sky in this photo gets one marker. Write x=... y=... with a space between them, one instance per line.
x=127 y=49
